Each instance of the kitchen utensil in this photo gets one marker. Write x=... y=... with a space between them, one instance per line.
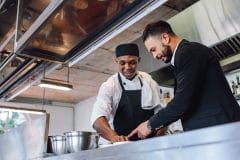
x=58 y=144
x=81 y=140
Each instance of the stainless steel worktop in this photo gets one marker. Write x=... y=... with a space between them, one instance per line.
x=213 y=143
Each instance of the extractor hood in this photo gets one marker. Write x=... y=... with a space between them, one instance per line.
x=43 y=34
x=67 y=29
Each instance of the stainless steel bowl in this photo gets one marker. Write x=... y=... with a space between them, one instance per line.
x=58 y=144
x=80 y=140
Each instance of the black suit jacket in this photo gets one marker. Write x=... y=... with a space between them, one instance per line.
x=203 y=97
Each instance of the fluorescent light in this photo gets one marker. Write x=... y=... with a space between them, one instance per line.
x=22 y=111
x=55 y=85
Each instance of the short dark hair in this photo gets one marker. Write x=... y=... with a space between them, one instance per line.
x=156 y=28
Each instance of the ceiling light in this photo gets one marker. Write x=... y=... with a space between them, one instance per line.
x=55 y=85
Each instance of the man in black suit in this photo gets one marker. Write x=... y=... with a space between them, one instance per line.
x=203 y=97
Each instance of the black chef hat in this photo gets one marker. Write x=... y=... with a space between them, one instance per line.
x=127 y=49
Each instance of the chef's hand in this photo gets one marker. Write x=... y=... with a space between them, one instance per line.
x=161 y=132
x=142 y=131
x=117 y=138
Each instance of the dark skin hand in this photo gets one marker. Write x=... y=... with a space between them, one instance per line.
x=103 y=129
x=161 y=131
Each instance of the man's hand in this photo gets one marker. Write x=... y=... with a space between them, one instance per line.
x=117 y=138
x=103 y=129
x=142 y=131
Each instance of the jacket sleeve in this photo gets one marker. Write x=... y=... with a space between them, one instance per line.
x=189 y=71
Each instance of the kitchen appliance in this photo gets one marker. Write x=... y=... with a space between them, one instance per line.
x=46 y=33
x=58 y=144
x=81 y=140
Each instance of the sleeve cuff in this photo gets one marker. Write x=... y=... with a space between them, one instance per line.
x=154 y=123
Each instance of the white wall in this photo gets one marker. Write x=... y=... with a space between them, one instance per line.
x=83 y=111
x=148 y=63
x=61 y=118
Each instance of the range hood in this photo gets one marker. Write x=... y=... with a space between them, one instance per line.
x=216 y=24
x=72 y=27
x=43 y=34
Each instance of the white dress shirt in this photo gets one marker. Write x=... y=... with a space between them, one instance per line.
x=173 y=56
x=175 y=126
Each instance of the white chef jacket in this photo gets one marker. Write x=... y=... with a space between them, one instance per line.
x=110 y=93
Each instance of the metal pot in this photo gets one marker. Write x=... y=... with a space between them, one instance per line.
x=58 y=144
x=80 y=140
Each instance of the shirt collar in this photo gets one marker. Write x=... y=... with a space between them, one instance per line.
x=173 y=56
x=127 y=80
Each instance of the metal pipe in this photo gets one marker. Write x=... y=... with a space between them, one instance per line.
x=7 y=61
x=18 y=23
x=17 y=71
x=26 y=85
x=3 y=45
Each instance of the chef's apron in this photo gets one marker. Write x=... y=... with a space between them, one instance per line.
x=129 y=113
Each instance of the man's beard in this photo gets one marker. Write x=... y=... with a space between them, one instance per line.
x=167 y=53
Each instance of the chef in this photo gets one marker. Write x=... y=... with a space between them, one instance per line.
x=126 y=99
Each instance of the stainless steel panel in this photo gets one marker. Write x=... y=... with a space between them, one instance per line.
x=66 y=29
x=73 y=23
x=213 y=143
x=45 y=19
x=208 y=22
x=147 y=7
x=38 y=22
x=8 y=12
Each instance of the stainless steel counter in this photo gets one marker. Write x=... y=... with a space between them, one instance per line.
x=213 y=143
